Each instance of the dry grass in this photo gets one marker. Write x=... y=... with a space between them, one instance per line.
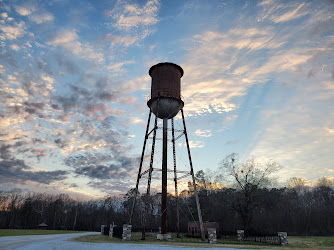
x=295 y=242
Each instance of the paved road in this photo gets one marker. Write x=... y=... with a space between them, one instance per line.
x=61 y=242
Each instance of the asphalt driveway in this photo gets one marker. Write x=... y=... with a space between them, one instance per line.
x=62 y=242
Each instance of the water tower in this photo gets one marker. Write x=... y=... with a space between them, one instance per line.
x=165 y=103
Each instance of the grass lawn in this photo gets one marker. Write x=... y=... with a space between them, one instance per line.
x=295 y=242
x=16 y=232
x=314 y=242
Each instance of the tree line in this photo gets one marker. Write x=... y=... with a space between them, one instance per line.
x=237 y=196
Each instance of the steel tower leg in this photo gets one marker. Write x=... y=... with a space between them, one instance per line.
x=140 y=168
x=194 y=182
x=175 y=180
x=149 y=179
x=164 y=179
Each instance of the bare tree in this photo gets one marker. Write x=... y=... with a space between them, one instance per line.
x=248 y=177
x=295 y=182
x=250 y=173
x=325 y=182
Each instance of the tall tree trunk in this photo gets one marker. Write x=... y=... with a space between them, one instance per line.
x=54 y=222
x=75 y=218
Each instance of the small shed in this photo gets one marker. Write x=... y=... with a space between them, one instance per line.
x=43 y=226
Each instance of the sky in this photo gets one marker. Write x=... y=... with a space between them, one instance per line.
x=258 y=81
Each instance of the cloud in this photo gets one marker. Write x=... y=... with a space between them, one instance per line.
x=5 y=152
x=130 y=16
x=8 y=58
x=48 y=79
x=33 y=85
x=14 y=31
x=107 y=96
x=221 y=67
x=90 y=101
x=92 y=122
x=24 y=10
x=39 y=152
x=94 y=125
x=330 y=130
x=22 y=145
x=152 y=47
x=4 y=15
x=279 y=12
x=42 y=17
x=289 y=60
x=38 y=16
x=40 y=123
x=140 y=83
x=113 y=187
x=290 y=15
x=203 y=133
x=93 y=109
x=14 y=170
x=213 y=86
x=95 y=165
x=33 y=108
x=194 y=144
x=69 y=40
x=15 y=47
x=121 y=40
x=102 y=172
x=118 y=67
x=135 y=120
x=296 y=136
x=128 y=100
x=2 y=69
x=63 y=37
x=67 y=64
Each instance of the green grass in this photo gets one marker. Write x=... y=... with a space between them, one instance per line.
x=136 y=240
x=314 y=242
x=295 y=242
x=16 y=232
x=186 y=242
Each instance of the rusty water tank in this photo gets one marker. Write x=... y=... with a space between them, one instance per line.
x=165 y=101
